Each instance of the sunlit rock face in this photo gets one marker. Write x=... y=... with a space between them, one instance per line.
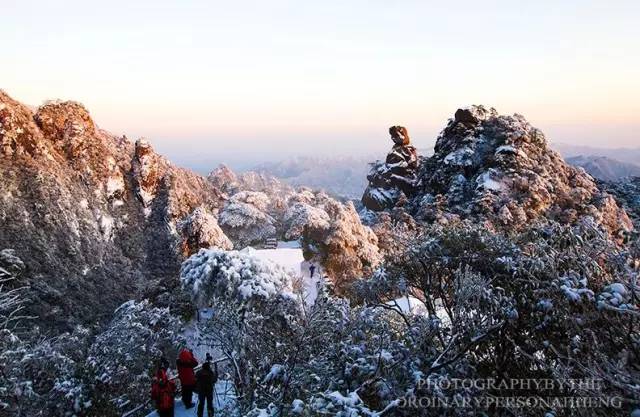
x=200 y=230
x=346 y=249
x=95 y=218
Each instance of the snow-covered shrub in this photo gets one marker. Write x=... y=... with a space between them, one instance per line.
x=55 y=370
x=617 y=297
x=496 y=299
x=12 y=296
x=245 y=220
x=43 y=375
x=200 y=230
x=346 y=249
x=301 y=215
x=574 y=287
x=121 y=360
x=234 y=275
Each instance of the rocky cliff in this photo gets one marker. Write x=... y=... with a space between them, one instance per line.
x=95 y=218
x=98 y=219
x=499 y=170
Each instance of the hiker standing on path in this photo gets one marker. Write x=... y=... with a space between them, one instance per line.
x=186 y=362
x=206 y=381
x=162 y=392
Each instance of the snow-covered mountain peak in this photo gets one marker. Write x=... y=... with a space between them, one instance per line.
x=494 y=168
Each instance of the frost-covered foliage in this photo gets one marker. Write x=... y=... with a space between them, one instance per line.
x=12 y=301
x=11 y=295
x=301 y=215
x=44 y=377
x=559 y=301
x=234 y=275
x=200 y=230
x=346 y=249
x=121 y=359
x=362 y=364
x=39 y=376
x=255 y=310
x=245 y=220
x=81 y=373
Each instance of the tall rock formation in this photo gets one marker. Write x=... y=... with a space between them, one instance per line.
x=391 y=181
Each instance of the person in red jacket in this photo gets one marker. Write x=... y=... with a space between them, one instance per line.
x=163 y=391
x=186 y=362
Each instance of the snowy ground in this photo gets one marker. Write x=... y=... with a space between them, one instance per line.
x=290 y=258
x=408 y=304
x=289 y=255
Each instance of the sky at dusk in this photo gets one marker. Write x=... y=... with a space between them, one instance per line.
x=244 y=81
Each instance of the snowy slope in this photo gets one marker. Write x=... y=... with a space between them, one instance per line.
x=290 y=258
x=289 y=255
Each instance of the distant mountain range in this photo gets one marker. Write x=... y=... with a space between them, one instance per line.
x=342 y=176
x=606 y=164
x=605 y=168
x=347 y=176
x=628 y=155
